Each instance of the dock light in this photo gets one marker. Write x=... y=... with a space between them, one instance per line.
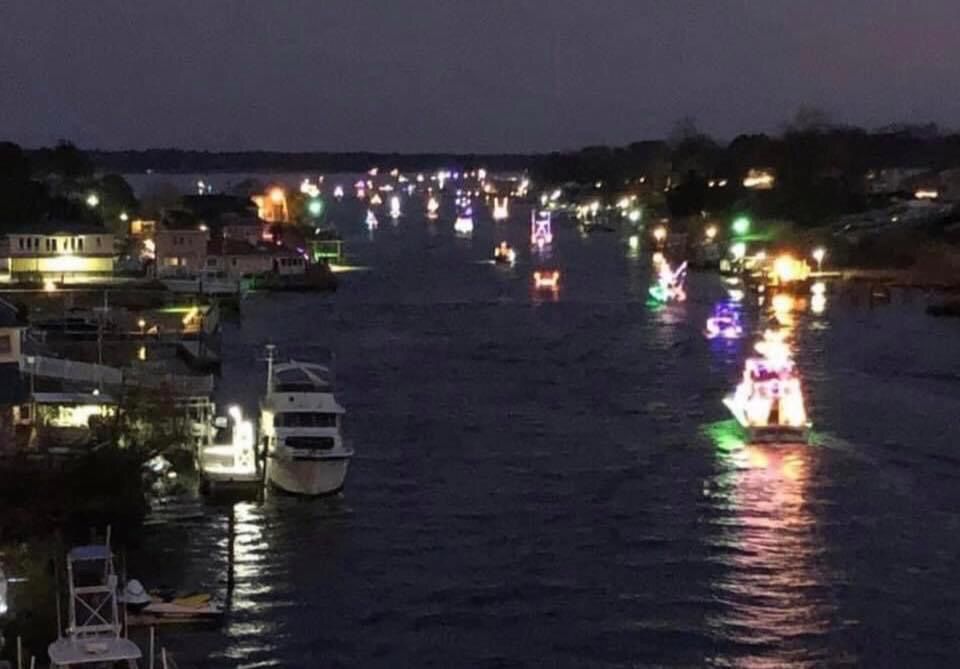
x=741 y=225
x=658 y=258
x=634 y=242
x=124 y=217
x=49 y=286
x=141 y=324
x=276 y=195
x=819 y=254
x=315 y=207
x=235 y=413
x=634 y=215
x=659 y=233
x=710 y=232
x=93 y=200
x=738 y=250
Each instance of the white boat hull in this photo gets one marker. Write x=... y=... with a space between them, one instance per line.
x=308 y=476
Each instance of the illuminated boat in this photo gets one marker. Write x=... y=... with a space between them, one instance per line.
x=504 y=255
x=724 y=323
x=338 y=192
x=541 y=231
x=768 y=402
x=464 y=223
x=394 y=207
x=300 y=423
x=372 y=221
x=432 y=207
x=547 y=279
x=670 y=283
x=501 y=209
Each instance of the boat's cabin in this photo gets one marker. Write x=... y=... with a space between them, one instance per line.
x=302 y=378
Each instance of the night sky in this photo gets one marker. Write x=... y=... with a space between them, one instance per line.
x=462 y=75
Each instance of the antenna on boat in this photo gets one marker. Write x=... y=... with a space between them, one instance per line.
x=271 y=350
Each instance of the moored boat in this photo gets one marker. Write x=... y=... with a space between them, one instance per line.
x=300 y=423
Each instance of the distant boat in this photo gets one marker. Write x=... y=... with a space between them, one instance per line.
x=464 y=223
x=432 y=207
x=547 y=280
x=301 y=420
x=504 y=255
x=541 y=229
x=501 y=209
x=372 y=222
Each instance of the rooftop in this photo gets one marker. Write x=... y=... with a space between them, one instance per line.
x=57 y=227
x=241 y=247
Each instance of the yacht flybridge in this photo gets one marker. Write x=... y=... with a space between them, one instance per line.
x=768 y=402
x=300 y=427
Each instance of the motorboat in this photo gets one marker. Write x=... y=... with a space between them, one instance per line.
x=504 y=255
x=146 y=609
x=300 y=426
x=670 y=283
x=501 y=209
x=541 y=230
x=372 y=222
x=546 y=279
x=724 y=323
x=94 y=633
x=464 y=223
x=433 y=206
x=394 y=207
x=768 y=402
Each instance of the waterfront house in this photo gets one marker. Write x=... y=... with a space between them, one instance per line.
x=239 y=258
x=180 y=247
x=59 y=251
x=245 y=228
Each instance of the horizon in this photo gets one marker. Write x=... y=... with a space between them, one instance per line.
x=520 y=78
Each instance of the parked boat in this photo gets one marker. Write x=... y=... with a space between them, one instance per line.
x=300 y=423
x=94 y=632
x=147 y=609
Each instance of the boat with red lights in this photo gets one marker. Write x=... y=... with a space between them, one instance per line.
x=503 y=254
x=547 y=279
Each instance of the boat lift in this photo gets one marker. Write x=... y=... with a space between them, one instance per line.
x=94 y=633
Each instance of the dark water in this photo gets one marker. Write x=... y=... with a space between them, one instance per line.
x=544 y=483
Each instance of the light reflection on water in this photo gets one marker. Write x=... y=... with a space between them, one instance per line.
x=773 y=588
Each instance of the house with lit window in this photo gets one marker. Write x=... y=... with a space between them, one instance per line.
x=180 y=247
x=59 y=251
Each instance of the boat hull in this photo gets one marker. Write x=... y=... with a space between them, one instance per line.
x=312 y=477
x=778 y=434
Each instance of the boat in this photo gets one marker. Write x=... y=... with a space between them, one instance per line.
x=432 y=207
x=464 y=223
x=394 y=207
x=145 y=609
x=541 y=231
x=504 y=255
x=300 y=423
x=768 y=402
x=228 y=458
x=670 y=283
x=547 y=280
x=724 y=323
x=501 y=209
x=94 y=633
x=372 y=221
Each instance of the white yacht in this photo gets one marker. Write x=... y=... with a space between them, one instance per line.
x=300 y=427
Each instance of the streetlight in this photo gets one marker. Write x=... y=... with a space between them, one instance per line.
x=819 y=254
x=92 y=200
x=660 y=233
x=711 y=232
